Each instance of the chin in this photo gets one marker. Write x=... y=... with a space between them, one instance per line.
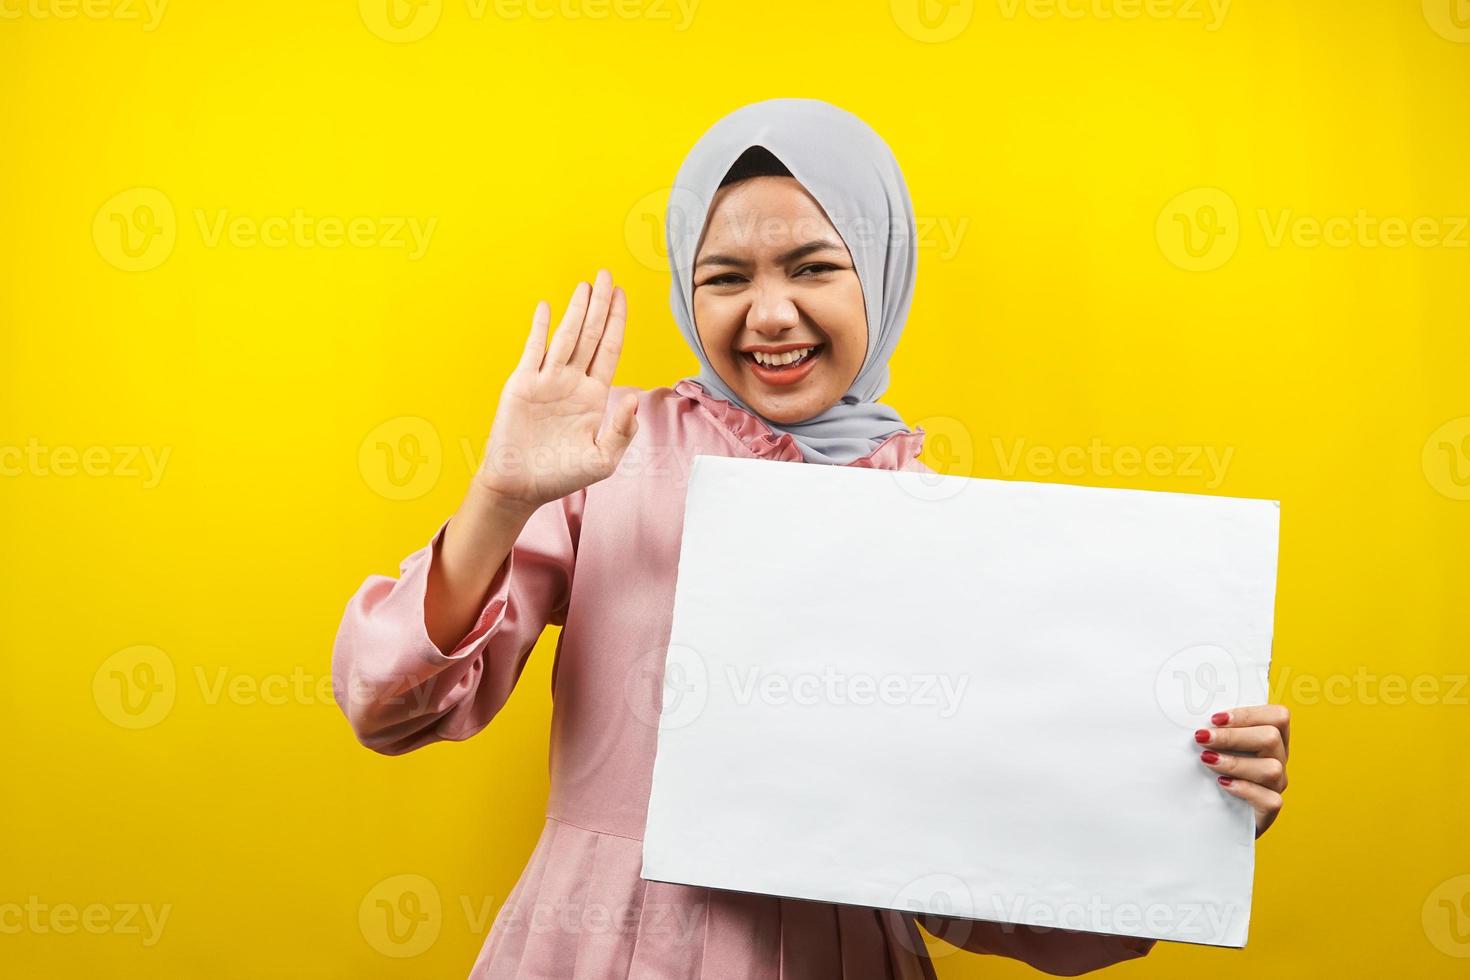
x=788 y=411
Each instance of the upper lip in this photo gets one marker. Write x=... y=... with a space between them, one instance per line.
x=779 y=348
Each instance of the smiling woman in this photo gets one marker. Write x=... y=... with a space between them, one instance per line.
x=777 y=302
x=793 y=230
x=798 y=308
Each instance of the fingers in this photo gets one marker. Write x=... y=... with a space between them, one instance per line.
x=1265 y=802
x=1246 y=749
x=571 y=325
x=612 y=339
x=1267 y=771
x=535 y=348
x=595 y=322
x=621 y=428
x=1276 y=715
x=1263 y=740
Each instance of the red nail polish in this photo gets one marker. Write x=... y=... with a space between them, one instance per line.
x=1202 y=735
x=1210 y=756
x=1224 y=780
x=1220 y=718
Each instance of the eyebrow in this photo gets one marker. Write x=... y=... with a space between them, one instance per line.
x=800 y=251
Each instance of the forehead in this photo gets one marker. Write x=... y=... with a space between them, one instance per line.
x=764 y=213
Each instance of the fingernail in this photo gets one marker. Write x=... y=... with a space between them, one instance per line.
x=1202 y=735
x=1224 y=780
x=1210 y=756
x=1220 y=718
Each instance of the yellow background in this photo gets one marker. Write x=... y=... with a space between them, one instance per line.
x=1051 y=144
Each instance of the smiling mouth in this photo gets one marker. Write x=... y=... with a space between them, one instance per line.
x=768 y=360
x=783 y=374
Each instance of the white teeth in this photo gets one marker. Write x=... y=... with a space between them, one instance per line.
x=776 y=360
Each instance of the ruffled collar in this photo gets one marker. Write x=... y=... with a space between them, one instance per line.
x=764 y=442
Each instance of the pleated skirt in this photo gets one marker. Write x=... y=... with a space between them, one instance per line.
x=580 y=911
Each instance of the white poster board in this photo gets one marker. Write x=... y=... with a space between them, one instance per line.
x=962 y=696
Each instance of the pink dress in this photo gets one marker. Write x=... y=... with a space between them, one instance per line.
x=601 y=564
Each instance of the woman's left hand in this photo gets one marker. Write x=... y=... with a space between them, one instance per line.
x=1247 y=749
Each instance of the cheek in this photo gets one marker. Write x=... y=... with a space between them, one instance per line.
x=712 y=323
x=840 y=314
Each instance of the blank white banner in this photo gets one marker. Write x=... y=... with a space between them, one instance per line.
x=961 y=696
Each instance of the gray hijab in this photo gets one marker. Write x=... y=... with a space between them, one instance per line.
x=854 y=176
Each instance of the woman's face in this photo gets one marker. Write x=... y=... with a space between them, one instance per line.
x=773 y=276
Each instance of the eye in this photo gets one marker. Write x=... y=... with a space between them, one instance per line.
x=723 y=279
x=817 y=268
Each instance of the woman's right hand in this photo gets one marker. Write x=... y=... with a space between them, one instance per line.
x=544 y=442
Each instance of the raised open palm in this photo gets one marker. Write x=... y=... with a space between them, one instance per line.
x=544 y=442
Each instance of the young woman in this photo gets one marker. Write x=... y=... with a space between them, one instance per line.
x=791 y=238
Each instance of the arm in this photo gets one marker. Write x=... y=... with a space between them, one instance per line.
x=399 y=688
x=1060 y=952
x=472 y=548
x=434 y=654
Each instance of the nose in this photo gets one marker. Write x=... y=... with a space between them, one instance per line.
x=772 y=310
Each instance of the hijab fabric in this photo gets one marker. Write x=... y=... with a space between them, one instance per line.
x=855 y=178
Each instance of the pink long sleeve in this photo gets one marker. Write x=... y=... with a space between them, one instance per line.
x=1060 y=952
x=399 y=691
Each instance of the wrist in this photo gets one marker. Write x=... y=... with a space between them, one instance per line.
x=486 y=502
